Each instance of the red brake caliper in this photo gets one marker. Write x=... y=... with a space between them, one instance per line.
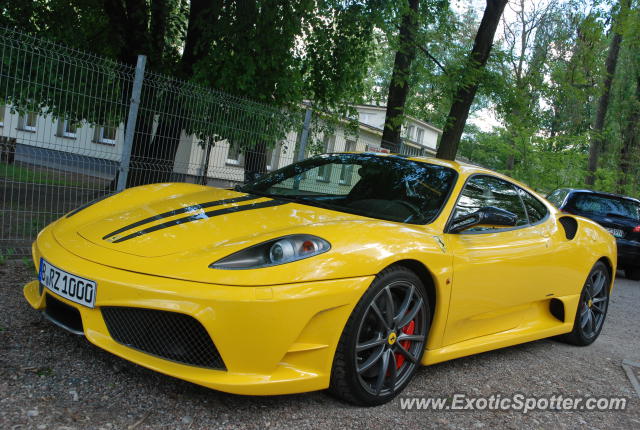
x=408 y=329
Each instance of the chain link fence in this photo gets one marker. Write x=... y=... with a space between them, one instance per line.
x=75 y=127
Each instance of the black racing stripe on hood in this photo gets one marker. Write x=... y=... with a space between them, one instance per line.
x=181 y=211
x=205 y=215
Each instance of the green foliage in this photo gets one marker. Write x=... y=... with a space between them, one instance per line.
x=28 y=263
x=6 y=254
x=542 y=81
x=276 y=53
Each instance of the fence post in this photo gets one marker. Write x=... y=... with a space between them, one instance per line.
x=304 y=137
x=130 y=128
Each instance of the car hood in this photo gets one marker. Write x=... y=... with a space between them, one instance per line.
x=178 y=230
x=209 y=218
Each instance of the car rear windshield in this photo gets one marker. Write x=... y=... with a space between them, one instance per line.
x=384 y=187
x=606 y=205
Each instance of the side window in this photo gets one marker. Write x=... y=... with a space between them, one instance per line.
x=557 y=197
x=536 y=210
x=481 y=191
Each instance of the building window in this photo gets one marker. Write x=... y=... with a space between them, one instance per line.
x=410 y=132
x=2 y=109
x=420 y=135
x=106 y=134
x=346 y=171
x=324 y=171
x=27 y=122
x=233 y=157
x=67 y=128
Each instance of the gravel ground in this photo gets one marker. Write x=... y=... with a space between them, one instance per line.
x=50 y=379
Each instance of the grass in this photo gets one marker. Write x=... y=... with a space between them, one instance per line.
x=5 y=254
x=16 y=173
x=44 y=371
x=28 y=263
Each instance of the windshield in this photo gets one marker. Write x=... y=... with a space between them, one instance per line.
x=384 y=187
x=606 y=205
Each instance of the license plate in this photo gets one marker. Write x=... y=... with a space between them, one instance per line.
x=616 y=232
x=78 y=290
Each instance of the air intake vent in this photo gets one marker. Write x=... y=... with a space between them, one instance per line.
x=63 y=315
x=169 y=335
x=570 y=226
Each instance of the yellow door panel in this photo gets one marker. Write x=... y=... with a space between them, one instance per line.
x=495 y=276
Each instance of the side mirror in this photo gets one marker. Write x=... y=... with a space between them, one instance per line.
x=488 y=215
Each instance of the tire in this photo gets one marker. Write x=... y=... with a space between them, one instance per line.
x=592 y=308
x=632 y=273
x=379 y=351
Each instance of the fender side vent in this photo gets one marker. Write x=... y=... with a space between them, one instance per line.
x=556 y=307
x=570 y=226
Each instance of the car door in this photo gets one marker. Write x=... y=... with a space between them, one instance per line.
x=496 y=270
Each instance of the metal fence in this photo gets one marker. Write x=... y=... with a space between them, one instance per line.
x=74 y=127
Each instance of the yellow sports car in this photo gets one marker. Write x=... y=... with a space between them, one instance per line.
x=343 y=271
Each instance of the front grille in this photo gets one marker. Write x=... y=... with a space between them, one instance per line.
x=63 y=315
x=170 y=335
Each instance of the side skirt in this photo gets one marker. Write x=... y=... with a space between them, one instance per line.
x=542 y=325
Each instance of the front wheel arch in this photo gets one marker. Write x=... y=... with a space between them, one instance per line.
x=425 y=276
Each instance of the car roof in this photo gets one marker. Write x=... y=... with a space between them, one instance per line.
x=464 y=169
x=602 y=193
x=459 y=166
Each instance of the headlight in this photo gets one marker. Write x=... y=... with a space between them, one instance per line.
x=274 y=252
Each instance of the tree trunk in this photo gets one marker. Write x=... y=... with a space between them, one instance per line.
x=130 y=24
x=466 y=91
x=631 y=141
x=158 y=30
x=399 y=86
x=153 y=157
x=603 y=104
x=153 y=154
x=203 y=15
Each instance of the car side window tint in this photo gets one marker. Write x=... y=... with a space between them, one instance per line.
x=536 y=210
x=483 y=191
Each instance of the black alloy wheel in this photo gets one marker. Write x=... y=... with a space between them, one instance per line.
x=592 y=308
x=383 y=341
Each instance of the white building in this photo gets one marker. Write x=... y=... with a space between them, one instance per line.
x=43 y=140
x=225 y=164
x=97 y=149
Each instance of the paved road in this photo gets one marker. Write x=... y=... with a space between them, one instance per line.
x=51 y=379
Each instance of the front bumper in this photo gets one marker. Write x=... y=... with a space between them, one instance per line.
x=273 y=339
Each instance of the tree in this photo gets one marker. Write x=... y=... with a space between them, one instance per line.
x=440 y=38
x=626 y=104
x=278 y=53
x=631 y=141
x=399 y=86
x=526 y=41
x=470 y=78
x=603 y=103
